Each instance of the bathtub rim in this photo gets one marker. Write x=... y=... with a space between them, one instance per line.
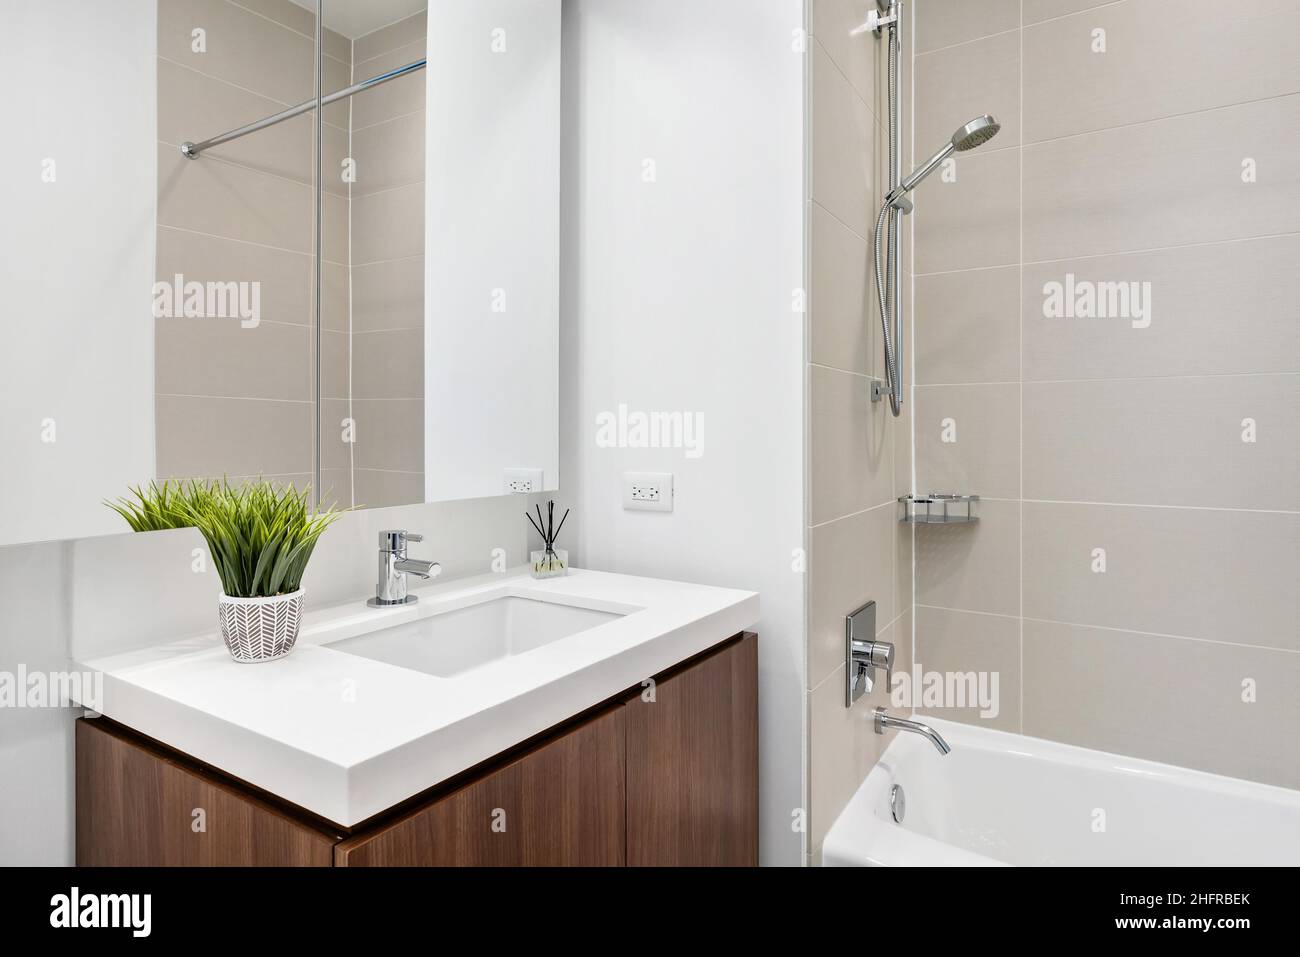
x=859 y=821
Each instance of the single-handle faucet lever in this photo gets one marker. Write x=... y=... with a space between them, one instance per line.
x=395 y=565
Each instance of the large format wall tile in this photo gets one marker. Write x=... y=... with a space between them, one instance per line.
x=1224 y=575
x=851 y=562
x=212 y=437
x=850 y=449
x=1035 y=11
x=972 y=567
x=390 y=434
x=1165 y=442
x=1165 y=699
x=961 y=82
x=968 y=326
x=394 y=36
x=832 y=24
x=219 y=357
x=1191 y=321
x=389 y=154
x=335 y=365
x=842 y=742
x=240 y=47
x=337 y=287
x=381 y=489
x=336 y=451
x=985 y=458
x=284 y=278
x=970 y=645
x=942 y=23
x=1165 y=183
x=843 y=134
x=388 y=225
x=388 y=365
x=1162 y=58
x=844 y=319
x=399 y=97
x=1159 y=183
x=193 y=106
x=973 y=221
x=388 y=295
x=214 y=197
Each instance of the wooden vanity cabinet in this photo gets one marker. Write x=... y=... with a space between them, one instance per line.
x=561 y=803
x=665 y=774
x=142 y=805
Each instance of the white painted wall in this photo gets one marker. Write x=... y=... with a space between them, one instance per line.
x=677 y=296
x=492 y=255
x=76 y=263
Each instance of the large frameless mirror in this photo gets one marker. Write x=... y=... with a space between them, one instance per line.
x=221 y=290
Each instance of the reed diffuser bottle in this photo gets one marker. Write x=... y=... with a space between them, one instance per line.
x=548 y=561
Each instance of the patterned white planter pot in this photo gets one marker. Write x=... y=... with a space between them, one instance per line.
x=260 y=629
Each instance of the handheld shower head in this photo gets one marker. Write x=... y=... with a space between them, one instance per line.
x=975 y=133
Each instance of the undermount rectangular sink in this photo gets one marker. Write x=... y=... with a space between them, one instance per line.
x=453 y=642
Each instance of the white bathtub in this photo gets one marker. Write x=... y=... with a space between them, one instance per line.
x=1001 y=799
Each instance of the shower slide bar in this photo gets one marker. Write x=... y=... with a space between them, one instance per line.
x=192 y=150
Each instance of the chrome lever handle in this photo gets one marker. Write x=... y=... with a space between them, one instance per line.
x=395 y=540
x=863 y=654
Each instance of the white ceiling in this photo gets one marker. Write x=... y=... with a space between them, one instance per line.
x=356 y=18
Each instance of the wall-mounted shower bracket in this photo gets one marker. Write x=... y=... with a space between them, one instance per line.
x=877 y=20
x=899 y=199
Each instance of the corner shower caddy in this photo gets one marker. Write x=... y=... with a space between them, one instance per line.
x=939 y=509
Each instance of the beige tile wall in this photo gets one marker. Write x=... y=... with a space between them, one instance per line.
x=858 y=455
x=387 y=207
x=1086 y=434
x=235 y=401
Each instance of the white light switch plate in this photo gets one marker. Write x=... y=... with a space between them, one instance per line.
x=648 y=491
x=523 y=481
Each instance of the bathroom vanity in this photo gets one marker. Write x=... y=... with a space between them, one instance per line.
x=596 y=719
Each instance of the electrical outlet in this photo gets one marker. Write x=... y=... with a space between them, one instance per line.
x=648 y=491
x=523 y=481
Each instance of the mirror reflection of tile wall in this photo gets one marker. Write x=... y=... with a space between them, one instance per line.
x=385 y=464
x=234 y=396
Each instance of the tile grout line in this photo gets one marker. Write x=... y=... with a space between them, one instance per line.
x=1099 y=381
x=228 y=398
x=848 y=515
x=1185 y=508
x=1126 y=631
x=1138 y=251
x=1021 y=26
x=285 y=26
x=1163 y=119
x=859 y=375
x=967 y=42
x=235 y=86
x=840 y=70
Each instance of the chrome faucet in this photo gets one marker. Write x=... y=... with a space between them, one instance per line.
x=885 y=722
x=394 y=566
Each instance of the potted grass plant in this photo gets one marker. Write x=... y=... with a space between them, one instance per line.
x=261 y=537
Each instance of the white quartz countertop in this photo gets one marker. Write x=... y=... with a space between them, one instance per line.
x=348 y=737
